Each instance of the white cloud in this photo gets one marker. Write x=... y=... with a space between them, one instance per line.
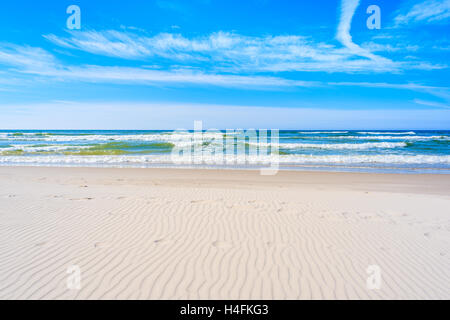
x=110 y=43
x=373 y=62
x=387 y=47
x=234 y=53
x=219 y=59
x=230 y=52
x=432 y=103
x=40 y=63
x=92 y=73
x=36 y=61
x=26 y=57
x=426 y=11
x=407 y=86
x=348 y=8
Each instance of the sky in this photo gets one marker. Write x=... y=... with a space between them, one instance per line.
x=231 y=64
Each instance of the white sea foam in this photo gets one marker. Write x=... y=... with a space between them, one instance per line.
x=219 y=144
x=177 y=136
x=97 y=137
x=322 y=132
x=388 y=133
x=411 y=137
x=54 y=148
x=343 y=146
x=283 y=159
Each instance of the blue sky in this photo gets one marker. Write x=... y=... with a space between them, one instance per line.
x=266 y=64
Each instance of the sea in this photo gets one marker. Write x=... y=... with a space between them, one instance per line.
x=388 y=151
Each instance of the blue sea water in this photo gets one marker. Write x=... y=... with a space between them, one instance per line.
x=412 y=151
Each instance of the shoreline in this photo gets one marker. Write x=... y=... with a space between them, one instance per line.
x=222 y=234
x=282 y=167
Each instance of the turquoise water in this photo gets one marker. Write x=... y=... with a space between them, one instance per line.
x=361 y=150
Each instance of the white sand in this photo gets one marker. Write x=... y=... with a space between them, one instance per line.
x=207 y=234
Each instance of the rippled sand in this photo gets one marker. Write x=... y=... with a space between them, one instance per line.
x=222 y=234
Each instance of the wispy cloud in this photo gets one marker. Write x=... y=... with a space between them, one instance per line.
x=130 y=75
x=224 y=59
x=36 y=61
x=432 y=103
x=25 y=57
x=389 y=47
x=348 y=8
x=109 y=43
x=426 y=11
x=373 y=62
x=407 y=86
x=230 y=52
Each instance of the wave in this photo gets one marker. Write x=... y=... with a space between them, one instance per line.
x=299 y=146
x=282 y=159
x=43 y=148
x=343 y=146
x=385 y=159
x=388 y=133
x=110 y=148
x=411 y=137
x=97 y=137
x=177 y=136
x=122 y=148
x=323 y=132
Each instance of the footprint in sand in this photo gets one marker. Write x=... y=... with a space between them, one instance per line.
x=221 y=244
x=197 y=201
x=78 y=199
x=100 y=245
x=161 y=241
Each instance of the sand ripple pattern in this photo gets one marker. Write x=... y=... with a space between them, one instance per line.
x=139 y=237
